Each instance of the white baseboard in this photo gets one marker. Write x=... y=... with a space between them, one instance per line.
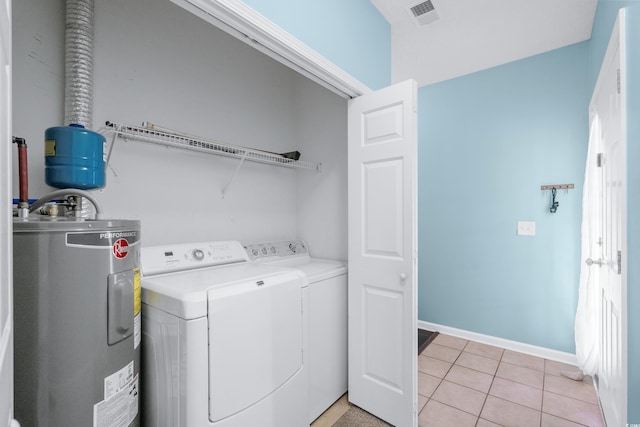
x=545 y=353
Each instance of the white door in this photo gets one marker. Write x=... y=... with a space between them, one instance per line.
x=6 y=236
x=383 y=327
x=608 y=102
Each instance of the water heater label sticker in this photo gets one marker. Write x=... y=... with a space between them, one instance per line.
x=137 y=291
x=120 y=405
x=137 y=330
x=114 y=383
x=137 y=308
x=50 y=147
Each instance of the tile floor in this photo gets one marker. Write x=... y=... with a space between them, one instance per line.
x=465 y=383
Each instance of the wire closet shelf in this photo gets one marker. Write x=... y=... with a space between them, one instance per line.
x=203 y=145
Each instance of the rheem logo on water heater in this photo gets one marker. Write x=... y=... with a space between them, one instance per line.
x=120 y=248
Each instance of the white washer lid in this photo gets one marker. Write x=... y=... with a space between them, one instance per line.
x=184 y=293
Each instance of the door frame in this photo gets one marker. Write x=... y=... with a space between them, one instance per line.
x=245 y=24
x=6 y=223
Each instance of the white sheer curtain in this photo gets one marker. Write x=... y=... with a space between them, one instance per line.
x=587 y=325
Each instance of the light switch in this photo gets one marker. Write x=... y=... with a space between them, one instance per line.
x=526 y=228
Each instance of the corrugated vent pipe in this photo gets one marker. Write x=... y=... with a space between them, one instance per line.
x=78 y=65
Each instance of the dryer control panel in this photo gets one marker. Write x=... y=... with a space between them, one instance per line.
x=187 y=256
x=276 y=250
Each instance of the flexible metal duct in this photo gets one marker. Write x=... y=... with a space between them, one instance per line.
x=78 y=96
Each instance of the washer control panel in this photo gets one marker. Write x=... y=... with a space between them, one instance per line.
x=284 y=248
x=165 y=259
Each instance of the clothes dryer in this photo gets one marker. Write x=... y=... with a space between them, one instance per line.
x=224 y=339
x=328 y=311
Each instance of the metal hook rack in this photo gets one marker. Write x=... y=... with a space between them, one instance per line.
x=557 y=187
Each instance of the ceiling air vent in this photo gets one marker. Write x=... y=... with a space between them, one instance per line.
x=424 y=12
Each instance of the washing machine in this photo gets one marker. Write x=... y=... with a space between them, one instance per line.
x=328 y=311
x=224 y=339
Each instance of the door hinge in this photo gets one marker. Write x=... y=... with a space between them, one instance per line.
x=619 y=262
x=618 y=78
x=599 y=160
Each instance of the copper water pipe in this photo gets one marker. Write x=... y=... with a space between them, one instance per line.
x=23 y=172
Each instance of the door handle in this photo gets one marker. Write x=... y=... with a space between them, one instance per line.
x=403 y=276
x=598 y=262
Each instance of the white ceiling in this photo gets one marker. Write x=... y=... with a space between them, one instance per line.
x=472 y=35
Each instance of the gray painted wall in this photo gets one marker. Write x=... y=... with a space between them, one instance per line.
x=156 y=62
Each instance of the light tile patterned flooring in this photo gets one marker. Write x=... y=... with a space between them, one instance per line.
x=465 y=383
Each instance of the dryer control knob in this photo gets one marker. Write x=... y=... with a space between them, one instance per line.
x=198 y=254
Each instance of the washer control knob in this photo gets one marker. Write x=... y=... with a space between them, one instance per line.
x=198 y=254
x=254 y=252
x=273 y=249
x=264 y=250
x=293 y=248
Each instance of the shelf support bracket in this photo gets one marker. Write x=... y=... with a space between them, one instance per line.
x=233 y=177
x=113 y=142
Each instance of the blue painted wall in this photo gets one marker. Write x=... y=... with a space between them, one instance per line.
x=487 y=142
x=352 y=34
x=603 y=24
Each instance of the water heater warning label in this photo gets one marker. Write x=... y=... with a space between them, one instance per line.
x=137 y=291
x=120 y=405
x=137 y=307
